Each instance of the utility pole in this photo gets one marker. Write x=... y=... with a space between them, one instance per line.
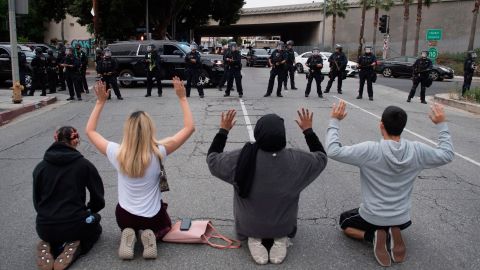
x=13 y=40
x=323 y=24
x=96 y=20
x=146 y=22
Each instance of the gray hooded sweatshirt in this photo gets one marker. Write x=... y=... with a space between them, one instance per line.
x=388 y=170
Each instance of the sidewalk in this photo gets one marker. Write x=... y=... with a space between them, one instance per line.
x=9 y=110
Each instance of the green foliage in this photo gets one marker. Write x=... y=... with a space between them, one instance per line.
x=382 y=4
x=455 y=61
x=473 y=95
x=337 y=8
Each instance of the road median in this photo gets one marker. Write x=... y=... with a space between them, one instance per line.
x=10 y=111
x=446 y=99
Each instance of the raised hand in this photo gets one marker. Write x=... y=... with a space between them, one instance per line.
x=228 y=120
x=437 y=113
x=179 y=87
x=101 y=91
x=305 y=119
x=339 y=112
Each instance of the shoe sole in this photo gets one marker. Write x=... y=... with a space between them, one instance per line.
x=69 y=254
x=380 y=248
x=398 y=250
x=149 y=242
x=45 y=258
x=127 y=244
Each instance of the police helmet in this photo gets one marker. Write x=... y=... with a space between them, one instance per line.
x=316 y=50
x=290 y=43
x=368 y=49
x=232 y=45
x=280 y=45
x=50 y=52
x=193 y=46
x=107 y=52
x=150 y=47
x=38 y=51
x=61 y=46
x=424 y=54
x=98 y=50
x=472 y=54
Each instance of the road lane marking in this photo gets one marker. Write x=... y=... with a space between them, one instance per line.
x=247 y=121
x=474 y=162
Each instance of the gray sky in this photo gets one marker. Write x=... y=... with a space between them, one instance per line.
x=266 y=3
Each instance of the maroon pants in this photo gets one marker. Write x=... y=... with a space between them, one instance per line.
x=160 y=224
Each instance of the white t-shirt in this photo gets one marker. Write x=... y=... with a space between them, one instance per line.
x=139 y=196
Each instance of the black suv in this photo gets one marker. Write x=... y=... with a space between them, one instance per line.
x=6 y=64
x=131 y=65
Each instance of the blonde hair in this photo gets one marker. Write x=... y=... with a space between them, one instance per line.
x=137 y=145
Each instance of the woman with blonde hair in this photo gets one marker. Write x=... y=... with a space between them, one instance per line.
x=138 y=161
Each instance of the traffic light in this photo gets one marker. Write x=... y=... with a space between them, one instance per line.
x=383 y=24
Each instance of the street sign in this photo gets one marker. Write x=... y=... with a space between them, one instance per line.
x=434 y=34
x=21 y=7
x=433 y=53
x=432 y=43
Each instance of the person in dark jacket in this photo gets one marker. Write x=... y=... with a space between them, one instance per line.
x=223 y=80
x=66 y=224
x=338 y=63
x=268 y=179
x=152 y=65
x=469 y=67
x=60 y=59
x=52 y=67
x=233 y=63
x=192 y=72
x=278 y=62
x=39 y=77
x=290 y=66
x=367 y=63
x=82 y=56
x=421 y=69
x=22 y=70
x=315 y=65
x=71 y=64
x=107 y=69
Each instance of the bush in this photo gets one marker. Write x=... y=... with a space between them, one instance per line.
x=473 y=95
x=455 y=61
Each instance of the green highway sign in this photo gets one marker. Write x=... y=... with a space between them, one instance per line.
x=433 y=53
x=434 y=34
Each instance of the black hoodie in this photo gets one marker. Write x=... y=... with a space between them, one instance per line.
x=59 y=183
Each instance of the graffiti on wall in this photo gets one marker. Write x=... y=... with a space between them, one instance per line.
x=84 y=43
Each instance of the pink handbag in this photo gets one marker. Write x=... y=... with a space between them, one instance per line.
x=200 y=232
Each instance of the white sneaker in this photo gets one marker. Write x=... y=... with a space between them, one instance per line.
x=257 y=250
x=127 y=243
x=278 y=252
x=149 y=242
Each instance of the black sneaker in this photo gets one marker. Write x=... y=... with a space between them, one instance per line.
x=409 y=99
x=267 y=95
x=294 y=88
x=306 y=95
x=326 y=92
x=240 y=96
x=202 y=96
x=220 y=89
x=423 y=102
x=359 y=97
x=285 y=87
x=279 y=95
x=79 y=98
x=370 y=98
x=160 y=95
x=71 y=98
x=148 y=95
x=340 y=92
x=226 y=95
x=380 y=248
x=320 y=96
x=120 y=98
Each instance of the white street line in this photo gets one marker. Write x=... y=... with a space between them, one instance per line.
x=247 y=121
x=411 y=132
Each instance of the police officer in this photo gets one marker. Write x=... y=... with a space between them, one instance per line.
x=366 y=64
x=469 y=67
x=278 y=62
x=82 y=56
x=421 y=69
x=152 y=65
x=60 y=59
x=315 y=65
x=39 y=72
x=22 y=70
x=338 y=63
x=192 y=72
x=52 y=67
x=233 y=60
x=71 y=64
x=223 y=80
x=290 y=66
x=107 y=69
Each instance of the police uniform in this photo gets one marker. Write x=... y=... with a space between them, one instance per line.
x=152 y=64
x=421 y=69
x=39 y=74
x=22 y=70
x=315 y=72
x=290 y=69
x=72 y=76
x=233 y=62
x=61 y=76
x=338 y=63
x=52 y=67
x=367 y=73
x=224 y=78
x=82 y=57
x=192 y=72
x=469 y=68
x=107 y=69
x=279 y=68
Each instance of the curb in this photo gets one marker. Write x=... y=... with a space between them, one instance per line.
x=475 y=79
x=462 y=105
x=7 y=116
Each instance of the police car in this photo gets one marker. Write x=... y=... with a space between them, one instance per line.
x=301 y=60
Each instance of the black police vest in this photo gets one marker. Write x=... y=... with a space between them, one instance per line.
x=366 y=62
x=314 y=61
x=107 y=66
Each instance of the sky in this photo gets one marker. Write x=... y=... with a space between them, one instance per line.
x=266 y=3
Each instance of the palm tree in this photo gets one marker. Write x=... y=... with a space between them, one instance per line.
x=379 y=5
x=365 y=5
x=336 y=8
x=420 y=4
x=406 y=14
x=474 y=25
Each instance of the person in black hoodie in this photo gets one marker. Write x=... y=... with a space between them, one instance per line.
x=66 y=225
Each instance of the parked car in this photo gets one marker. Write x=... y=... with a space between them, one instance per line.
x=403 y=67
x=257 y=57
x=44 y=47
x=301 y=60
x=131 y=66
x=6 y=64
x=244 y=53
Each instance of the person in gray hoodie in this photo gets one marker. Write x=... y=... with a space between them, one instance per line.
x=388 y=170
x=268 y=179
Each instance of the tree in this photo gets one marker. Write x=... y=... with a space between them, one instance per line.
x=406 y=15
x=336 y=8
x=473 y=29
x=420 y=4
x=379 y=5
x=365 y=5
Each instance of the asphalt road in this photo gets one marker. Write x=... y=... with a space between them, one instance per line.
x=445 y=201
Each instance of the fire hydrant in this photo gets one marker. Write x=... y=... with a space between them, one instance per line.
x=17 y=92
